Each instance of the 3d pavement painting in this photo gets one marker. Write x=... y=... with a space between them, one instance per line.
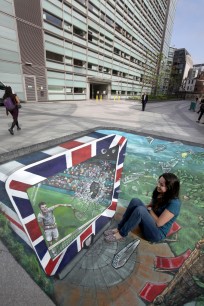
x=83 y=186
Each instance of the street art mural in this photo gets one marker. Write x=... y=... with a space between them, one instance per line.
x=86 y=194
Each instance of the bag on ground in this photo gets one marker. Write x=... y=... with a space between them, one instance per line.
x=8 y=103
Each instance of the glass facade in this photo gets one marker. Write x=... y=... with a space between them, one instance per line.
x=98 y=48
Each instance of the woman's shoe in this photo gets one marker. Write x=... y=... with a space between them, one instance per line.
x=11 y=131
x=111 y=231
x=18 y=128
x=112 y=238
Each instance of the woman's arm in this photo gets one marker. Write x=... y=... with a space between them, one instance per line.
x=165 y=217
x=17 y=100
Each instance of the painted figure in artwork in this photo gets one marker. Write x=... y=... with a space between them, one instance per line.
x=47 y=221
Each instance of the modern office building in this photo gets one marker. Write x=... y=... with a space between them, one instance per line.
x=167 y=52
x=182 y=62
x=82 y=49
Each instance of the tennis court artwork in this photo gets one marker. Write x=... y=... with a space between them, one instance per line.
x=76 y=196
x=64 y=200
x=83 y=185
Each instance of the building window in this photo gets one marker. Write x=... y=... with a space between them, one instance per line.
x=92 y=67
x=93 y=9
x=54 y=56
x=53 y=88
x=68 y=90
x=67 y=26
x=118 y=28
x=79 y=32
x=68 y=60
x=52 y=19
x=79 y=90
x=115 y=72
x=109 y=21
x=106 y=70
x=78 y=63
x=82 y=1
x=116 y=51
x=90 y=36
x=102 y=16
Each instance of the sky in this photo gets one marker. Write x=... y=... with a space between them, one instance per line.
x=188 y=30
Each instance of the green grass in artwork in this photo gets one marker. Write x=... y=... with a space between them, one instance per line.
x=68 y=219
x=142 y=183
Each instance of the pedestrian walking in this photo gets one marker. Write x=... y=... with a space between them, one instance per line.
x=193 y=105
x=200 y=102
x=12 y=103
x=144 y=101
x=201 y=111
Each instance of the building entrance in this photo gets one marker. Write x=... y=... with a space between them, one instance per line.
x=98 y=90
x=98 y=87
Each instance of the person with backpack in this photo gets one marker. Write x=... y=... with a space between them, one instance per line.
x=12 y=102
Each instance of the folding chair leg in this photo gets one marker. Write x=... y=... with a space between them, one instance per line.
x=172 y=239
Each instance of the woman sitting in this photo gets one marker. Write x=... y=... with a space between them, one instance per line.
x=155 y=219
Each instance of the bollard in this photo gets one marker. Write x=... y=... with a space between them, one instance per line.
x=96 y=97
x=101 y=98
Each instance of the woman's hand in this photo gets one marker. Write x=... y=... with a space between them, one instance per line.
x=165 y=217
x=149 y=205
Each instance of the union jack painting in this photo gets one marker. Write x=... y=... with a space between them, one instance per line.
x=86 y=172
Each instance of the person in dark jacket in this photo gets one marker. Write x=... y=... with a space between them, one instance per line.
x=201 y=111
x=15 y=111
x=144 y=101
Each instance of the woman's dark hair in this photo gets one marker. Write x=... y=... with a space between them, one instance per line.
x=173 y=187
x=8 y=92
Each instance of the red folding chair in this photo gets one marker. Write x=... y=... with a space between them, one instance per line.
x=171 y=264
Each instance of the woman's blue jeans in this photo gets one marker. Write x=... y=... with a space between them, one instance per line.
x=137 y=214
